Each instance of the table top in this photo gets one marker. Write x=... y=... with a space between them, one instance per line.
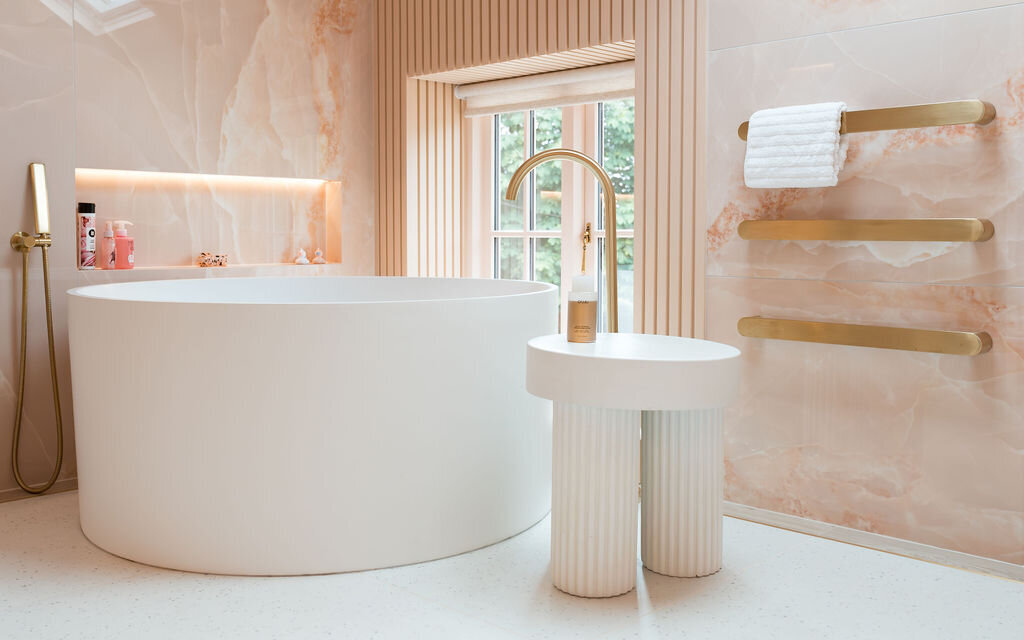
x=634 y=371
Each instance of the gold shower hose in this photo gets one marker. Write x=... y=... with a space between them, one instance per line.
x=25 y=248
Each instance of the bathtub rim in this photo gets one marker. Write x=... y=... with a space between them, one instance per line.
x=538 y=288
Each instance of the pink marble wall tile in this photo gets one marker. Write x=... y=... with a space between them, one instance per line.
x=735 y=23
x=956 y=171
x=36 y=125
x=918 y=446
x=200 y=86
x=276 y=88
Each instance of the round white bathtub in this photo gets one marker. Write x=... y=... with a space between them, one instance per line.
x=281 y=426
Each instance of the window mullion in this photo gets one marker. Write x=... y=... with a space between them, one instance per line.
x=528 y=200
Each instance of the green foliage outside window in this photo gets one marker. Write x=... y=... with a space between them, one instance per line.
x=617 y=156
x=617 y=151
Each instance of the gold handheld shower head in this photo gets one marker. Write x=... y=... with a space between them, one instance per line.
x=24 y=242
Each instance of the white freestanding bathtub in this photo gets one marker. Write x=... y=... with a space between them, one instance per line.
x=281 y=426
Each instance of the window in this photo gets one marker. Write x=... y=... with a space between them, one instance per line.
x=539 y=236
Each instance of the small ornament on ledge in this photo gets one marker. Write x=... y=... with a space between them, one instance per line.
x=318 y=257
x=207 y=259
x=301 y=258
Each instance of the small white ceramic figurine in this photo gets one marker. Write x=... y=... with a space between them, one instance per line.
x=301 y=258
x=318 y=257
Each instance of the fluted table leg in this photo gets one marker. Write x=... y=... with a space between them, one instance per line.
x=595 y=465
x=683 y=468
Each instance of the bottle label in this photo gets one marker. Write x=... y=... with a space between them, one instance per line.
x=87 y=241
x=582 y=322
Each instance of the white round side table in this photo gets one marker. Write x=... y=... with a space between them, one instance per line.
x=605 y=394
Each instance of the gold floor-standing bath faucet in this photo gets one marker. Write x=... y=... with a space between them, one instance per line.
x=24 y=242
x=611 y=236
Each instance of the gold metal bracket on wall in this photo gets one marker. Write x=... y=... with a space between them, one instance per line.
x=936 y=114
x=21 y=241
x=924 y=230
x=960 y=343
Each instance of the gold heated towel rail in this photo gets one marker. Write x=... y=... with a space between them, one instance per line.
x=959 y=343
x=925 y=230
x=912 y=117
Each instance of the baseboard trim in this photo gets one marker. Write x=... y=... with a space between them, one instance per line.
x=10 y=495
x=877 y=541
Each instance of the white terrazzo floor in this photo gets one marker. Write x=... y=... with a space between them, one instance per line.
x=775 y=584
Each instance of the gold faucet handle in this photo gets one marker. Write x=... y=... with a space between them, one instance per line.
x=586 y=241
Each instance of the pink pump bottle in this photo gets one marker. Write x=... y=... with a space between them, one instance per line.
x=105 y=259
x=124 y=246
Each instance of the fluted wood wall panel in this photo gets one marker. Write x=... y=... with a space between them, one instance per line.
x=434 y=180
x=670 y=113
x=419 y=215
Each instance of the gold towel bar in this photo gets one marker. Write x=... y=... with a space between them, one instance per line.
x=925 y=230
x=912 y=117
x=959 y=343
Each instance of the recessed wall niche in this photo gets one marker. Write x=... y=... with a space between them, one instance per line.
x=213 y=127
x=254 y=220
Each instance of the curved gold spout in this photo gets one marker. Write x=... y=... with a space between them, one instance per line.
x=611 y=244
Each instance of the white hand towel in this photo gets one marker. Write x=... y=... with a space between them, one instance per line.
x=796 y=146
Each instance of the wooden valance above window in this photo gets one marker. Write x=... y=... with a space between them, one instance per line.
x=555 y=89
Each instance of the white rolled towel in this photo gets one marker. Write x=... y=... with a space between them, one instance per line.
x=798 y=146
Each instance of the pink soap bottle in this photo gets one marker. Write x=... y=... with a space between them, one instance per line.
x=124 y=246
x=105 y=259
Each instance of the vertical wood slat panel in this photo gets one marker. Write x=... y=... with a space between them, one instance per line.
x=504 y=26
x=687 y=43
x=484 y=27
x=553 y=26
x=394 y=94
x=640 y=234
x=666 y=122
x=583 y=26
x=383 y=144
x=451 y=34
x=531 y=33
x=429 y=29
x=399 y=243
x=420 y=138
x=675 y=238
x=670 y=43
x=572 y=29
x=428 y=215
x=650 y=168
x=700 y=46
x=628 y=20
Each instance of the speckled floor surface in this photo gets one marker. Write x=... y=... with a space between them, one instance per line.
x=775 y=584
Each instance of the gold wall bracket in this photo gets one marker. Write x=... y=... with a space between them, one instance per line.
x=959 y=343
x=911 y=117
x=925 y=230
x=21 y=241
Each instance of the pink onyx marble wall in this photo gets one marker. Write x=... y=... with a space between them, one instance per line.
x=37 y=124
x=924 y=447
x=233 y=87
x=269 y=88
